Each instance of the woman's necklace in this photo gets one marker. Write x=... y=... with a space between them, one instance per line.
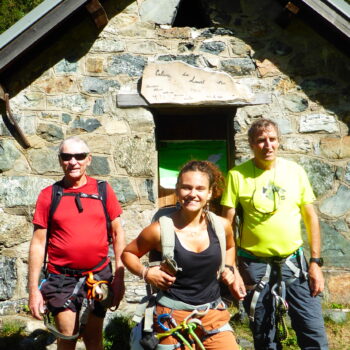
x=192 y=232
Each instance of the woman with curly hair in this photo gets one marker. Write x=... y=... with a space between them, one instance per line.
x=202 y=259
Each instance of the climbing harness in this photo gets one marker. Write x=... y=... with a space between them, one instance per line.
x=186 y=328
x=184 y=332
x=144 y=333
x=278 y=289
x=96 y=290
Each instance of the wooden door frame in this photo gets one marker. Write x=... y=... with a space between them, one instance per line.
x=178 y=114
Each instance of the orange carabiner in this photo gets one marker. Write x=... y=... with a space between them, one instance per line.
x=92 y=286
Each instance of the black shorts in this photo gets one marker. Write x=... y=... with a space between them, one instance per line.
x=57 y=289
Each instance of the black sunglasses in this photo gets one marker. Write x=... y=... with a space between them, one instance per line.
x=276 y=202
x=68 y=156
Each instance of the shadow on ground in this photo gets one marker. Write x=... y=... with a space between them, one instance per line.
x=37 y=340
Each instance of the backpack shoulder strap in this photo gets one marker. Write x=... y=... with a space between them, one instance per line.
x=57 y=192
x=153 y=255
x=219 y=229
x=102 y=192
x=167 y=236
x=102 y=189
x=163 y=211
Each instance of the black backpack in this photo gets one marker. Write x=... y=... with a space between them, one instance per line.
x=57 y=194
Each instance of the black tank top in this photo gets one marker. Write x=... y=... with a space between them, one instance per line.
x=197 y=282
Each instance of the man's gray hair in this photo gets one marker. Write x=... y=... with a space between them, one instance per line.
x=74 y=139
x=262 y=124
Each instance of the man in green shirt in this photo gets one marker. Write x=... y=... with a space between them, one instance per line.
x=273 y=195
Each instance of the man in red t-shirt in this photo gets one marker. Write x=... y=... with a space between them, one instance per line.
x=77 y=244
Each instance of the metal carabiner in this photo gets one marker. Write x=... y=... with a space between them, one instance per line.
x=279 y=300
x=197 y=313
x=162 y=326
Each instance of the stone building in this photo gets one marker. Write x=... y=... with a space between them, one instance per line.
x=136 y=89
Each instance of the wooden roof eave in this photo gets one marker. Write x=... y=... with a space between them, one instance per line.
x=337 y=12
x=33 y=27
x=27 y=32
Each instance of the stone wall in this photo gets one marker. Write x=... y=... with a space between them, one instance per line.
x=70 y=87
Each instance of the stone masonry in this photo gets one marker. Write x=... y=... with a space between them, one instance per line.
x=70 y=88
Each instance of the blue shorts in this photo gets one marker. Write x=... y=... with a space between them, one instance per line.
x=57 y=289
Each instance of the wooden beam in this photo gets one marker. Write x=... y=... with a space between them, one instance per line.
x=97 y=13
x=131 y=100
x=10 y=121
x=136 y=100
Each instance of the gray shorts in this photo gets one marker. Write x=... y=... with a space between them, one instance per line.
x=304 y=310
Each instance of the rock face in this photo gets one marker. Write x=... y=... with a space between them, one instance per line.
x=9 y=154
x=338 y=204
x=72 y=88
x=8 y=277
x=338 y=285
x=159 y=11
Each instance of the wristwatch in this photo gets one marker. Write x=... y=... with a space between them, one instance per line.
x=318 y=261
x=230 y=267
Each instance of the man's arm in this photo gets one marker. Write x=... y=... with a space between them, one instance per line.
x=314 y=238
x=229 y=214
x=118 y=236
x=237 y=287
x=36 y=259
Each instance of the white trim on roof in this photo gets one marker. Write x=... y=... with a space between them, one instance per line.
x=340 y=5
x=28 y=20
x=332 y=13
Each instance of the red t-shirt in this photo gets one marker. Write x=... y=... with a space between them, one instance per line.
x=77 y=240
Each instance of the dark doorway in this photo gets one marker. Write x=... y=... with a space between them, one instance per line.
x=182 y=135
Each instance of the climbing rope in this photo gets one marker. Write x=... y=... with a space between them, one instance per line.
x=186 y=328
x=281 y=308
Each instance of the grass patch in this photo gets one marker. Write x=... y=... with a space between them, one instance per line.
x=335 y=306
x=338 y=333
x=12 y=328
x=11 y=334
x=242 y=331
x=117 y=333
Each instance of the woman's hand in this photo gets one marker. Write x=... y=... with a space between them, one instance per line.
x=227 y=276
x=159 y=279
x=231 y=277
x=237 y=288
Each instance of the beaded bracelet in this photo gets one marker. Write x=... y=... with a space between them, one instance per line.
x=144 y=273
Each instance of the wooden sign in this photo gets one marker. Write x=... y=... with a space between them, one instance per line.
x=179 y=83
